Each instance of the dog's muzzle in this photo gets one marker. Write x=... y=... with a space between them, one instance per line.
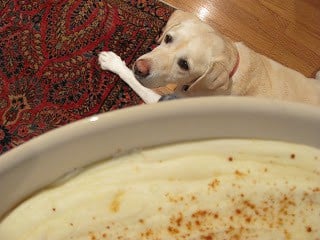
x=141 y=68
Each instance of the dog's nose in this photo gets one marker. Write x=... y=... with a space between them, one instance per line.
x=142 y=68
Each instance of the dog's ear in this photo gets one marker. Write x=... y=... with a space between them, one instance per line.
x=176 y=18
x=216 y=78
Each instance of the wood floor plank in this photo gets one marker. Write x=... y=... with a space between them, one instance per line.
x=304 y=37
x=301 y=11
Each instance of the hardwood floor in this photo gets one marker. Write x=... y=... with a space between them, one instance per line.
x=287 y=31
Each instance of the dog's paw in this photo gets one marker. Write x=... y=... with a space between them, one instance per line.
x=110 y=61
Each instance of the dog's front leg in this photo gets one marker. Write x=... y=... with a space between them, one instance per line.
x=112 y=62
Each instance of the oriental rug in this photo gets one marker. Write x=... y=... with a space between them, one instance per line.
x=49 y=75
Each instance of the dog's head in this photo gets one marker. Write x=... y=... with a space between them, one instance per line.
x=191 y=54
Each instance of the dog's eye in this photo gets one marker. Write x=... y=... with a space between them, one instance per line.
x=183 y=64
x=168 y=39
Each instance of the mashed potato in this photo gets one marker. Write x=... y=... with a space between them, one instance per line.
x=215 y=189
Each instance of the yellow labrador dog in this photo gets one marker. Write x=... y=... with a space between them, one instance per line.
x=202 y=62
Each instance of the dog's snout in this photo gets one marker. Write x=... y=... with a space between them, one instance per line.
x=142 y=68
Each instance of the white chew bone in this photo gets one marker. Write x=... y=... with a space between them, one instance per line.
x=112 y=62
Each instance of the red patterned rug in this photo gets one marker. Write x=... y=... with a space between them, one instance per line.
x=49 y=75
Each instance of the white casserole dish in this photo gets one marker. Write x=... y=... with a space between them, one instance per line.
x=48 y=157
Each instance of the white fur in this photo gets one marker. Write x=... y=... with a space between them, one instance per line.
x=318 y=75
x=112 y=62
